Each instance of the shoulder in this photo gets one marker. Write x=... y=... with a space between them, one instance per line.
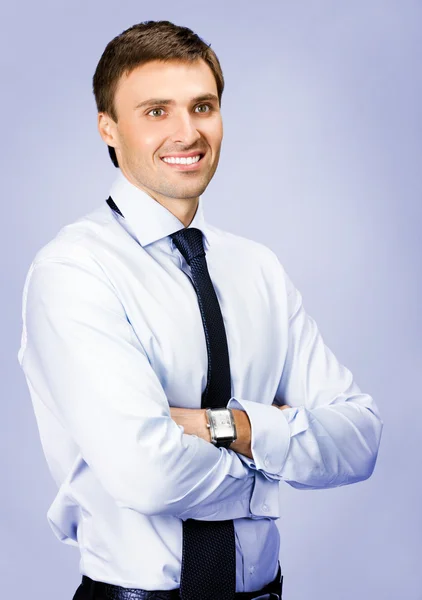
x=76 y=251
x=251 y=251
x=78 y=240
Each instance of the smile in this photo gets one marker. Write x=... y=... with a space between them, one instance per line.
x=181 y=160
x=183 y=163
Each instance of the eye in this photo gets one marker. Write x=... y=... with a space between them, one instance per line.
x=208 y=105
x=153 y=109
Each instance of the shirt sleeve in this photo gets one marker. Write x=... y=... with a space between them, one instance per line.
x=82 y=357
x=331 y=433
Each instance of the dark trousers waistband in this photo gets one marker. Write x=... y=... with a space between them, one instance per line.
x=98 y=590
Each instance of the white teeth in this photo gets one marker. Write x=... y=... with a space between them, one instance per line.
x=181 y=160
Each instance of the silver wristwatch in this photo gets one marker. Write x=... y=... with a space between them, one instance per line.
x=222 y=426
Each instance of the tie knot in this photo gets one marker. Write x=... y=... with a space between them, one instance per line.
x=189 y=242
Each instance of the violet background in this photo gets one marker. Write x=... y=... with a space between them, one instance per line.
x=321 y=161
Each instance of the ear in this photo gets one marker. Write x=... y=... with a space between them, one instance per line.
x=107 y=129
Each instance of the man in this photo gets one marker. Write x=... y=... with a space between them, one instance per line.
x=175 y=376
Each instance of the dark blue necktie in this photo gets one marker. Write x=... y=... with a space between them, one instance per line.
x=209 y=549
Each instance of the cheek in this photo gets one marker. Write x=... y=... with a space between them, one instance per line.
x=215 y=132
x=144 y=140
x=148 y=142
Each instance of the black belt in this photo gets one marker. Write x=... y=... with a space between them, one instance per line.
x=109 y=591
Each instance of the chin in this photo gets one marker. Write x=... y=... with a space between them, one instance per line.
x=186 y=189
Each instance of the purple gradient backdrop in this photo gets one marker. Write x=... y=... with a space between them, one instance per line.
x=321 y=161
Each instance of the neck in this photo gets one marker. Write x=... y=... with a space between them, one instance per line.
x=183 y=209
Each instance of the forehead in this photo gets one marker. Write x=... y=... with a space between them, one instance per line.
x=167 y=79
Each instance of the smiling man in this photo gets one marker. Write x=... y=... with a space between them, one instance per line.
x=175 y=375
x=167 y=131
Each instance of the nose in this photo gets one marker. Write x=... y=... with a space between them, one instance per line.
x=184 y=130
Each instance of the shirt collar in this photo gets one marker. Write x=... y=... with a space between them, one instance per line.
x=149 y=219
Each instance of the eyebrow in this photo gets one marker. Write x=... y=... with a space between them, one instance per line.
x=168 y=101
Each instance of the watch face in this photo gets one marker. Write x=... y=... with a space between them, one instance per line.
x=223 y=423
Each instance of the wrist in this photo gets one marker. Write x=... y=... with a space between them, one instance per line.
x=243 y=426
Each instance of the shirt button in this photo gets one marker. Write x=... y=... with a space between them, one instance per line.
x=265 y=507
x=252 y=569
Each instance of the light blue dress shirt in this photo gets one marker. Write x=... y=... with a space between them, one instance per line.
x=112 y=337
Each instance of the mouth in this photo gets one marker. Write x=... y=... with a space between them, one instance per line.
x=192 y=163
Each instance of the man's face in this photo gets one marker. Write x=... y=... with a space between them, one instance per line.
x=189 y=123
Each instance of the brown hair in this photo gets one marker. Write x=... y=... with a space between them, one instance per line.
x=141 y=43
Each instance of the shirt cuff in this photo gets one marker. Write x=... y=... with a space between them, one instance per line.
x=270 y=436
x=265 y=499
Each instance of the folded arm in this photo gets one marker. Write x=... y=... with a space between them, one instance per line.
x=329 y=433
x=194 y=422
x=83 y=358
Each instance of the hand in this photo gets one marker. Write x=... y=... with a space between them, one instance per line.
x=193 y=420
x=282 y=407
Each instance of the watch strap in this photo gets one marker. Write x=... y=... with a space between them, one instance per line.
x=224 y=444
